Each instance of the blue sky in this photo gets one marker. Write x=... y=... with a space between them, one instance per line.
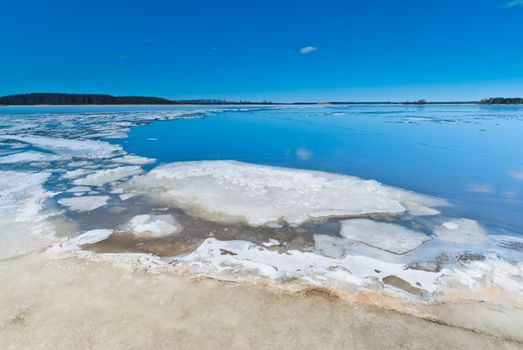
x=274 y=50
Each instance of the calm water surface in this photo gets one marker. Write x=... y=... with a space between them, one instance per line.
x=470 y=155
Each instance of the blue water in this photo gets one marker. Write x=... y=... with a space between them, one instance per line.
x=469 y=155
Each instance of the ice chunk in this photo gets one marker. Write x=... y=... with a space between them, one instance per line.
x=235 y=191
x=29 y=156
x=464 y=231
x=74 y=174
x=89 y=237
x=135 y=160
x=85 y=203
x=80 y=148
x=24 y=225
x=153 y=225
x=101 y=177
x=272 y=242
x=389 y=237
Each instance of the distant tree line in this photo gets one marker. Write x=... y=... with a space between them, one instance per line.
x=98 y=99
x=502 y=101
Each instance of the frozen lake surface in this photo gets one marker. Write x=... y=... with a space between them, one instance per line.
x=413 y=200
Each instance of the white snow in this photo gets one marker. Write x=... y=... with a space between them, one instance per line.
x=81 y=148
x=464 y=231
x=28 y=157
x=85 y=203
x=101 y=177
x=389 y=237
x=235 y=191
x=153 y=225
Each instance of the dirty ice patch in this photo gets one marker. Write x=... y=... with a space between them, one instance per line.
x=79 y=148
x=258 y=195
x=30 y=157
x=463 y=231
x=23 y=222
x=241 y=259
x=153 y=225
x=389 y=237
x=85 y=203
x=102 y=177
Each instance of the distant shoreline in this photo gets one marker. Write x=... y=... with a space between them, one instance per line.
x=60 y=99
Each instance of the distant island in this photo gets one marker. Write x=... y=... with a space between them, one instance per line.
x=502 y=101
x=101 y=99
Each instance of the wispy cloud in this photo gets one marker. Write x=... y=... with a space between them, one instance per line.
x=479 y=188
x=308 y=49
x=518 y=175
x=514 y=3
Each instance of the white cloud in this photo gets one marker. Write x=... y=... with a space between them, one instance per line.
x=479 y=188
x=518 y=175
x=514 y=3
x=308 y=49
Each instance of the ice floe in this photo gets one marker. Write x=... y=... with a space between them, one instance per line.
x=132 y=159
x=85 y=203
x=262 y=194
x=79 y=148
x=153 y=225
x=389 y=237
x=29 y=156
x=102 y=177
x=89 y=237
x=74 y=174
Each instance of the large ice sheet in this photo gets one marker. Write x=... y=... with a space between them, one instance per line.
x=256 y=194
x=23 y=223
x=389 y=237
